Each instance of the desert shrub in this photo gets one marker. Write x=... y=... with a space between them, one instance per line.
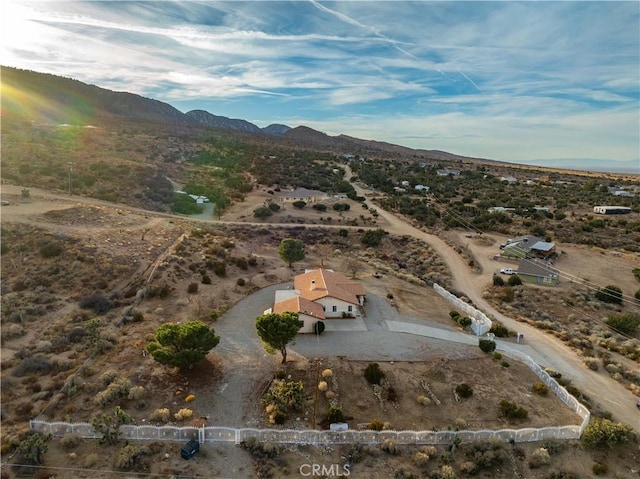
x=499 y=329
x=90 y=460
x=51 y=249
x=469 y=468
x=160 y=415
x=505 y=364
x=636 y=273
x=604 y=432
x=624 y=323
x=512 y=411
x=262 y=212
x=241 y=263
x=240 y=282
x=390 y=447
x=37 y=364
x=190 y=398
x=487 y=345
x=460 y=424
x=335 y=414
x=464 y=390
x=392 y=394
x=285 y=394
x=108 y=377
x=118 y=389
x=137 y=392
x=192 y=288
x=98 y=303
x=373 y=374
x=539 y=457
x=319 y=207
x=592 y=363
x=540 y=388
x=278 y=417
x=327 y=373
x=129 y=457
x=446 y=472
x=220 y=269
x=69 y=441
x=183 y=414
x=158 y=290
x=497 y=356
x=609 y=294
x=454 y=315
x=514 y=280
x=373 y=237
x=497 y=280
x=260 y=450
x=330 y=395
x=375 y=425
x=487 y=454
x=600 y=469
x=464 y=321
x=206 y=279
x=137 y=317
x=323 y=386
x=637 y=295
x=424 y=400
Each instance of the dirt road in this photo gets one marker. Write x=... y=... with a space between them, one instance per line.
x=598 y=386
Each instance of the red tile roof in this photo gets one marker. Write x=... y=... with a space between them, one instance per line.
x=320 y=283
x=298 y=304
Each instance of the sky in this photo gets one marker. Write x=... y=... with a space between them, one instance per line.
x=511 y=81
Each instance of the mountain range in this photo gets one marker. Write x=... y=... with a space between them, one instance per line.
x=52 y=99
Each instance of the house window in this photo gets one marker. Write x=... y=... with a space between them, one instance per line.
x=350 y=308
x=324 y=308
x=334 y=308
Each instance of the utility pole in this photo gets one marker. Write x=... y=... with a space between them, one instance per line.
x=70 y=169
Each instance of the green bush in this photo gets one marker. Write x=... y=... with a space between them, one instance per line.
x=464 y=321
x=600 y=469
x=636 y=273
x=335 y=414
x=454 y=315
x=373 y=374
x=514 y=280
x=499 y=329
x=497 y=280
x=206 y=279
x=373 y=237
x=604 y=432
x=540 y=388
x=512 y=411
x=487 y=345
x=240 y=282
x=625 y=323
x=192 y=288
x=262 y=212
x=299 y=204
x=609 y=294
x=319 y=207
x=98 y=303
x=464 y=390
x=51 y=250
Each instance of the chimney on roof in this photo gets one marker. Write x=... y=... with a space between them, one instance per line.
x=313 y=284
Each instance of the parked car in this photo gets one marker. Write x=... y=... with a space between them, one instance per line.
x=508 y=271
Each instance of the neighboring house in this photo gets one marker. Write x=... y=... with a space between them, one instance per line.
x=612 y=210
x=500 y=209
x=538 y=272
x=527 y=247
x=320 y=294
x=448 y=172
x=303 y=194
x=509 y=179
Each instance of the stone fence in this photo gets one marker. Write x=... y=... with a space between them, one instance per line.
x=480 y=323
x=322 y=438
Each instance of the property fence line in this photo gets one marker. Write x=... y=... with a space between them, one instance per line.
x=324 y=438
x=480 y=323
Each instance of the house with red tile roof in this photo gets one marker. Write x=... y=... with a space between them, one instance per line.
x=320 y=294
